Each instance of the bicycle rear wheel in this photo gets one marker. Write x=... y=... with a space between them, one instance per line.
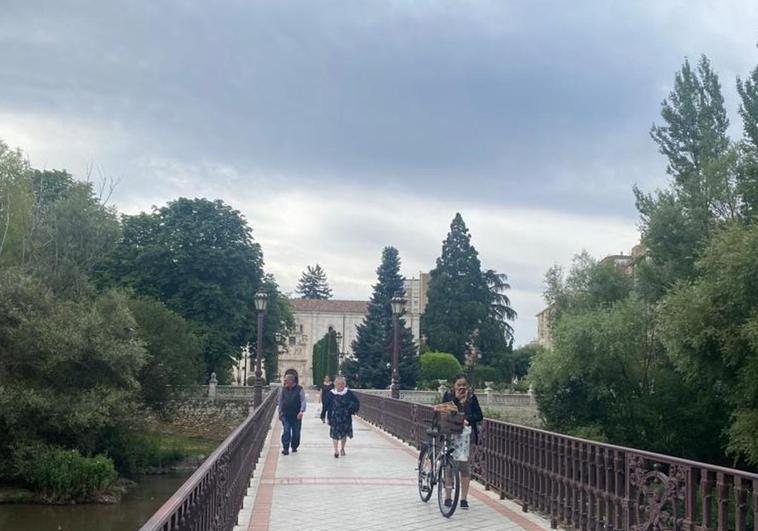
x=449 y=486
x=425 y=474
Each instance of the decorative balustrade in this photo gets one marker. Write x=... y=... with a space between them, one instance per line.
x=222 y=392
x=212 y=497
x=583 y=484
x=487 y=397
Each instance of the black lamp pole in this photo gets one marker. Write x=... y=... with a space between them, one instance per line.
x=260 y=305
x=397 y=304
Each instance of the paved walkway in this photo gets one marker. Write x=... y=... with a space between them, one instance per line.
x=372 y=488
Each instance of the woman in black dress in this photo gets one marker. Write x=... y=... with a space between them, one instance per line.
x=342 y=404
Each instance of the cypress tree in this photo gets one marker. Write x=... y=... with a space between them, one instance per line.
x=313 y=284
x=325 y=357
x=459 y=297
x=373 y=344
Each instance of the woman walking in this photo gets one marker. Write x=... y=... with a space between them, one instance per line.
x=342 y=404
x=325 y=391
x=468 y=404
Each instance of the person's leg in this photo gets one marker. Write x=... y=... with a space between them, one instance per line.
x=465 y=470
x=286 y=435
x=335 y=442
x=342 y=445
x=297 y=425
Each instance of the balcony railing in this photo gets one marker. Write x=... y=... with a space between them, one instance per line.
x=212 y=497
x=581 y=484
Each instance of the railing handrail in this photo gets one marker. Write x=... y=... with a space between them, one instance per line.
x=169 y=509
x=586 y=484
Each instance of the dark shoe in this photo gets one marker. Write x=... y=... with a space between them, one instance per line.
x=294 y=450
x=336 y=455
x=448 y=502
x=464 y=504
x=285 y=452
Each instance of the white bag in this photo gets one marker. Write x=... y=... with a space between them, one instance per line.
x=461 y=444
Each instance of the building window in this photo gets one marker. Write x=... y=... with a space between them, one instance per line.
x=301 y=329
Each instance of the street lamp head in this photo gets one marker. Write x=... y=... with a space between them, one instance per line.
x=398 y=304
x=261 y=299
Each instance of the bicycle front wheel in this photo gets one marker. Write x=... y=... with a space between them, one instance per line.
x=449 y=486
x=425 y=474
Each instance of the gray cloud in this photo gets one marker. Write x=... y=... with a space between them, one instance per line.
x=531 y=107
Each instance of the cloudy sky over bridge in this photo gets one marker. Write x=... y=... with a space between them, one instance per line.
x=340 y=127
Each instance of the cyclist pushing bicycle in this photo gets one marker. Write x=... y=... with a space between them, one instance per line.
x=462 y=395
x=443 y=461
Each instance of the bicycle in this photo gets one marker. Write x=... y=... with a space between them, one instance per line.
x=437 y=466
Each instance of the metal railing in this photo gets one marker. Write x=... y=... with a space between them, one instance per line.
x=582 y=484
x=212 y=497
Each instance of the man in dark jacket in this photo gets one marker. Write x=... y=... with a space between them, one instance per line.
x=325 y=390
x=291 y=411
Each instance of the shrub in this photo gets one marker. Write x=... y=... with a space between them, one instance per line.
x=63 y=475
x=438 y=366
x=483 y=373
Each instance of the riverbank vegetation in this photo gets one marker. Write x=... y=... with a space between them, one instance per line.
x=661 y=353
x=102 y=315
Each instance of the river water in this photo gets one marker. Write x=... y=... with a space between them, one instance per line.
x=133 y=511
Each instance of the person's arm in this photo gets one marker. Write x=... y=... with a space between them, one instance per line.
x=302 y=404
x=475 y=411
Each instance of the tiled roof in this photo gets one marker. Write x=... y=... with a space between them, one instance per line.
x=331 y=306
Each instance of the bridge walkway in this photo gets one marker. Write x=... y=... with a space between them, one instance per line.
x=373 y=487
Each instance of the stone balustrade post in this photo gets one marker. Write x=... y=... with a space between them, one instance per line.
x=212 y=386
x=488 y=392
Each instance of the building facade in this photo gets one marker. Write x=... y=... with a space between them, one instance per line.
x=314 y=318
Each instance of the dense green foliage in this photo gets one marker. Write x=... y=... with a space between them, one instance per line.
x=666 y=358
x=199 y=258
x=64 y=475
x=467 y=310
x=80 y=359
x=438 y=366
x=373 y=344
x=325 y=357
x=313 y=284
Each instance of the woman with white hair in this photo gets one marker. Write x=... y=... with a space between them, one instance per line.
x=341 y=405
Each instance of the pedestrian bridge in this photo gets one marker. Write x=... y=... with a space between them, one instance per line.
x=528 y=479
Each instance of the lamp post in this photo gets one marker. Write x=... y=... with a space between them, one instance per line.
x=397 y=303
x=339 y=353
x=260 y=305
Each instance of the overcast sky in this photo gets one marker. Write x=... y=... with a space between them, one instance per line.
x=338 y=128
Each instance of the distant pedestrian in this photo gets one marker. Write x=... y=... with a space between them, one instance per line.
x=468 y=404
x=342 y=404
x=291 y=411
x=325 y=390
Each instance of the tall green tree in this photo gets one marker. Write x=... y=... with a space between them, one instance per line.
x=459 y=297
x=747 y=179
x=373 y=345
x=703 y=166
x=325 y=357
x=199 y=258
x=710 y=328
x=313 y=284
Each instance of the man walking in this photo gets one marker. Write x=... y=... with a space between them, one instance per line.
x=291 y=411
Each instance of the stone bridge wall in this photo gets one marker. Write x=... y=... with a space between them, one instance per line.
x=212 y=418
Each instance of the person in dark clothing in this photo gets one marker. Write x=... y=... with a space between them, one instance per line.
x=467 y=403
x=325 y=389
x=341 y=405
x=291 y=411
